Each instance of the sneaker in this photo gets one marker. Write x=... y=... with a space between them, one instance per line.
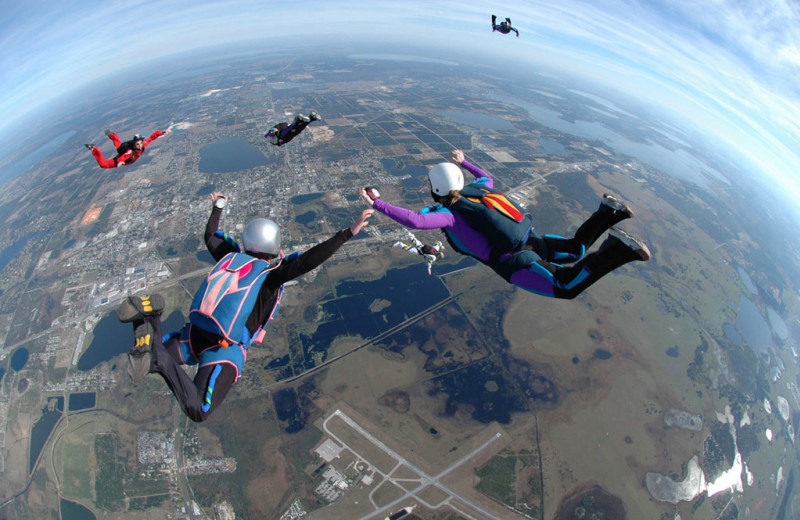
x=143 y=338
x=90 y=146
x=304 y=118
x=139 y=367
x=631 y=242
x=107 y=131
x=140 y=355
x=616 y=204
x=138 y=307
x=314 y=116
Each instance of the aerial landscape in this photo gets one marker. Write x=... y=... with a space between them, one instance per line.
x=669 y=389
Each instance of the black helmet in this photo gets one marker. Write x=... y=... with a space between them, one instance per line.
x=138 y=137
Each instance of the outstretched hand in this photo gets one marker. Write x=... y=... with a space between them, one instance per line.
x=457 y=156
x=362 y=192
x=362 y=221
x=216 y=195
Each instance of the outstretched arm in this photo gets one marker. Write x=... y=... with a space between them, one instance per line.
x=408 y=218
x=216 y=245
x=481 y=176
x=315 y=256
x=155 y=135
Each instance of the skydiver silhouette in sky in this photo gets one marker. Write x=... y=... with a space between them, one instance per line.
x=484 y=224
x=282 y=133
x=504 y=27
x=128 y=151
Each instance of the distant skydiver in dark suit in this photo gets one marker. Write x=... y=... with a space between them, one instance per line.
x=504 y=27
x=282 y=133
x=229 y=311
x=127 y=152
x=484 y=224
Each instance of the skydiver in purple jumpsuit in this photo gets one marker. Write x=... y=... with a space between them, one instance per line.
x=536 y=265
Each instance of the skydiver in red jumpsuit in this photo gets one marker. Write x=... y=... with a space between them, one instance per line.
x=127 y=152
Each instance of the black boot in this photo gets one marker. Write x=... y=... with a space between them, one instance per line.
x=611 y=212
x=617 y=250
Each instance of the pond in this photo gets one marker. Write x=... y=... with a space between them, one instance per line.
x=75 y=511
x=81 y=401
x=19 y=358
x=392 y=166
x=552 y=147
x=11 y=251
x=306 y=218
x=748 y=283
x=51 y=413
x=230 y=154
x=205 y=190
x=302 y=199
x=753 y=327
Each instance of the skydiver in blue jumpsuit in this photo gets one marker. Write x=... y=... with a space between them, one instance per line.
x=504 y=27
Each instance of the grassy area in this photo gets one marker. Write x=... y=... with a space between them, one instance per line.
x=498 y=478
x=110 y=473
x=76 y=474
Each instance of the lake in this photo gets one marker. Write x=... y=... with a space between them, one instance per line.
x=679 y=163
x=414 y=170
x=477 y=120
x=302 y=199
x=81 y=401
x=75 y=511
x=112 y=338
x=19 y=358
x=552 y=147
x=230 y=154
x=44 y=426
x=748 y=283
x=753 y=327
x=11 y=251
x=41 y=153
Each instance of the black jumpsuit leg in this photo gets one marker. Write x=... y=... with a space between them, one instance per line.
x=190 y=393
x=555 y=248
x=574 y=279
x=527 y=270
x=294 y=130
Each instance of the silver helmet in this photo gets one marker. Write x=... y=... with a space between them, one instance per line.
x=262 y=235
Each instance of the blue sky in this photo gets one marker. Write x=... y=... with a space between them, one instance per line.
x=727 y=68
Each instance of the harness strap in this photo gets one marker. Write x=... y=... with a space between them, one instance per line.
x=210 y=389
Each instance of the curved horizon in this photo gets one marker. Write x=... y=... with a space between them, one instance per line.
x=728 y=71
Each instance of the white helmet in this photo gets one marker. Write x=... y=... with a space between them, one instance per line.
x=445 y=177
x=262 y=235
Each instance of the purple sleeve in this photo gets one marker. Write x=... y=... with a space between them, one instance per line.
x=478 y=173
x=414 y=220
